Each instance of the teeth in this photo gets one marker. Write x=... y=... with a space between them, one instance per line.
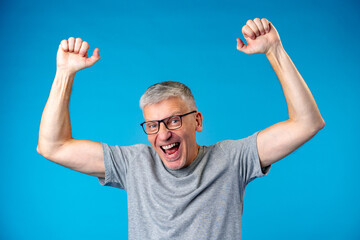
x=169 y=146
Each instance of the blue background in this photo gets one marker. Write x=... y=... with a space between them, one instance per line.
x=311 y=194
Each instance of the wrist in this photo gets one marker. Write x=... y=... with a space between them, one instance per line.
x=62 y=85
x=276 y=54
x=275 y=50
x=61 y=72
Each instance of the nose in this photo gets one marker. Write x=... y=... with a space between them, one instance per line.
x=164 y=133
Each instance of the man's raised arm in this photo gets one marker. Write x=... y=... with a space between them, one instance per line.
x=55 y=138
x=279 y=140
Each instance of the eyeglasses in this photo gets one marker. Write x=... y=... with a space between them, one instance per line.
x=171 y=123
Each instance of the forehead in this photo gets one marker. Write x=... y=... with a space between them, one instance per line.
x=165 y=108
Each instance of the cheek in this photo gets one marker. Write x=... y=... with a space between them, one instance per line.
x=189 y=136
x=151 y=139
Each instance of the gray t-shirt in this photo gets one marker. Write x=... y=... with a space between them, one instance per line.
x=201 y=201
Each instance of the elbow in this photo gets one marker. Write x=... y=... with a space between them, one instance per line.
x=48 y=149
x=45 y=151
x=320 y=124
x=314 y=123
x=311 y=127
x=317 y=126
x=41 y=151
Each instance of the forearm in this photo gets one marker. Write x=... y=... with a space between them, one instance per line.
x=301 y=105
x=279 y=140
x=55 y=127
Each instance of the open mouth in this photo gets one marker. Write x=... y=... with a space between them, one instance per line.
x=170 y=149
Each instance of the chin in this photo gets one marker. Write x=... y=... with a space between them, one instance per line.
x=173 y=165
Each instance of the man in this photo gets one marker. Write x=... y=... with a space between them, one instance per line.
x=177 y=189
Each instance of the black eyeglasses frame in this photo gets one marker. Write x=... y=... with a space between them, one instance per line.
x=163 y=121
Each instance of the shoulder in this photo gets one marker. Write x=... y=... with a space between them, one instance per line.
x=132 y=151
x=243 y=143
x=130 y=147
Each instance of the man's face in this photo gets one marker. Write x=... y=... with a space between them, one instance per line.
x=176 y=148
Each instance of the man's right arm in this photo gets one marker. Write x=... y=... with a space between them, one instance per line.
x=55 y=138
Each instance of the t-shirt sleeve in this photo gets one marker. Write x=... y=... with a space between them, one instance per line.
x=116 y=164
x=245 y=155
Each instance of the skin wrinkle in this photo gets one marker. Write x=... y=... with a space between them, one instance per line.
x=186 y=135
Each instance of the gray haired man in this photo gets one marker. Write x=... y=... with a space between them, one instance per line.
x=177 y=189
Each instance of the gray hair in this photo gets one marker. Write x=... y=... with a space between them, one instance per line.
x=164 y=90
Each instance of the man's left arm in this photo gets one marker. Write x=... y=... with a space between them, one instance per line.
x=279 y=140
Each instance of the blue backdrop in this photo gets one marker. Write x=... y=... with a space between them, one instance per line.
x=311 y=194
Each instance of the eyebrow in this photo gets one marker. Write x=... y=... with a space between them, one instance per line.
x=173 y=114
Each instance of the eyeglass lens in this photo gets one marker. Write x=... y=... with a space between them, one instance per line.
x=171 y=123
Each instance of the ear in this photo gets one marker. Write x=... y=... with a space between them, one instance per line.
x=199 y=122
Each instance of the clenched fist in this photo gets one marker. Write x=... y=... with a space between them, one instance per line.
x=261 y=37
x=72 y=55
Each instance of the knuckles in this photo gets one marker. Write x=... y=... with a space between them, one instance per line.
x=249 y=21
x=263 y=23
x=85 y=44
x=74 y=44
x=244 y=28
x=78 y=41
x=71 y=39
x=63 y=43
